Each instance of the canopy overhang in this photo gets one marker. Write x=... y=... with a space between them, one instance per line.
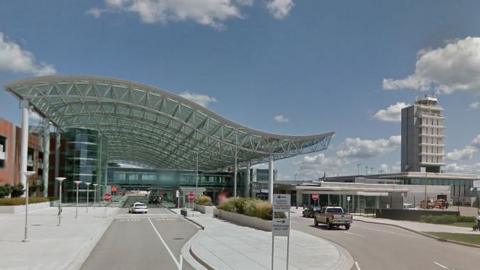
x=146 y=125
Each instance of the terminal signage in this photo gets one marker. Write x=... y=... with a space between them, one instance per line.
x=280 y=227
x=281 y=202
x=315 y=196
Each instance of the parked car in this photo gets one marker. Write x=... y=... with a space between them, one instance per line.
x=309 y=211
x=333 y=216
x=138 y=207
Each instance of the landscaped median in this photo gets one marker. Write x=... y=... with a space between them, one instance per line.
x=249 y=212
x=460 y=221
x=17 y=205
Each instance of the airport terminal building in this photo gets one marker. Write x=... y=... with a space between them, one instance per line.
x=91 y=122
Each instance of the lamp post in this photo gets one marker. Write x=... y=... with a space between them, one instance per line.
x=27 y=175
x=88 y=191
x=76 y=206
x=60 y=180
x=94 y=195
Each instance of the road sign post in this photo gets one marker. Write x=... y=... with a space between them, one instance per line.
x=280 y=221
x=191 y=198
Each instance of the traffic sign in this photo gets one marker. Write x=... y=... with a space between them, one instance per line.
x=280 y=227
x=191 y=196
x=315 y=196
x=281 y=202
x=107 y=197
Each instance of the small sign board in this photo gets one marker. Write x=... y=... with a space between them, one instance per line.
x=191 y=196
x=280 y=227
x=315 y=196
x=281 y=202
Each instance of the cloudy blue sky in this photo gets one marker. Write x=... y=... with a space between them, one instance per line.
x=285 y=66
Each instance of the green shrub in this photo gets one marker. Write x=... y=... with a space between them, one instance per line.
x=20 y=201
x=5 y=190
x=203 y=200
x=17 y=190
x=247 y=206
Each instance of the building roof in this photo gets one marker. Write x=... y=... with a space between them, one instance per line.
x=147 y=125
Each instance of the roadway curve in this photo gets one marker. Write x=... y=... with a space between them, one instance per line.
x=379 y=247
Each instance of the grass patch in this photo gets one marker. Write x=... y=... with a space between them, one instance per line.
x=460 y=237
x=463 y=224
x=449 y=220
x=21 y=201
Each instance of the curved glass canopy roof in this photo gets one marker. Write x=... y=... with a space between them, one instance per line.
x=146 y=125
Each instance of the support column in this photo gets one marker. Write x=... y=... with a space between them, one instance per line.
x=270 y=179
x=46 y=157
x=24 y=144
x=196 y=175
x=57 y=156
x=235 y=172
x=247 y=180
x=299 y=198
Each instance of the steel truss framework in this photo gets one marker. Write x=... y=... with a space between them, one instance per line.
x=146 y=125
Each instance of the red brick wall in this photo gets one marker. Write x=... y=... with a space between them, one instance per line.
x=8 y=172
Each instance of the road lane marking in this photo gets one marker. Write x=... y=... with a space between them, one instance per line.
x=357 y=266
x=441 y=265
x=179 y=264
x=356 y=234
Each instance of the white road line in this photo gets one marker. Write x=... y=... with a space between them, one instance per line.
x=441 y=265
x=357 y=266
x=179 y=264
x=356 y=234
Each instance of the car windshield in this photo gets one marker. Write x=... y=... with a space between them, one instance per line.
x=334 y=210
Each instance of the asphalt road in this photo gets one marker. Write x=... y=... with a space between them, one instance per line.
x=379 y=247
x=142 y=241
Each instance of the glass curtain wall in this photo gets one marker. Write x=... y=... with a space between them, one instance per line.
x=82 y=162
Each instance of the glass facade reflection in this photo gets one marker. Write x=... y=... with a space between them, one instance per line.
x=82 y=161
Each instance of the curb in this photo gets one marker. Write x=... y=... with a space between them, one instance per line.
x=423 y=234
x=85 y=251
x=199 y=260
x=187 y=218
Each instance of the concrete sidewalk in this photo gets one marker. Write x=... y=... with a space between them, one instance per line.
x=418 y=226
x=223 y=245
x=51 y=246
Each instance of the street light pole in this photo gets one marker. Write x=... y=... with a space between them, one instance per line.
x=60 y=180
x=88 y=191
x=76 y=206
x=27 y=175
x=94 y=195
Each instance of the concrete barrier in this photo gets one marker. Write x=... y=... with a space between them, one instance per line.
x=14 y=209
x=204 y=209
x=244 y=220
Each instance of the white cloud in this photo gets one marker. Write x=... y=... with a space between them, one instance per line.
x=14 y=58
x=392 y=113
x=455 y=67
x=462 y=154
x=476 y=141
x=280 y=8
x=211 y=13
x=360 y=148
x=202 y=100
x=463 y=168
x=280 y=118
x=474 y=106
x=95 y=12
x=314 y=166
